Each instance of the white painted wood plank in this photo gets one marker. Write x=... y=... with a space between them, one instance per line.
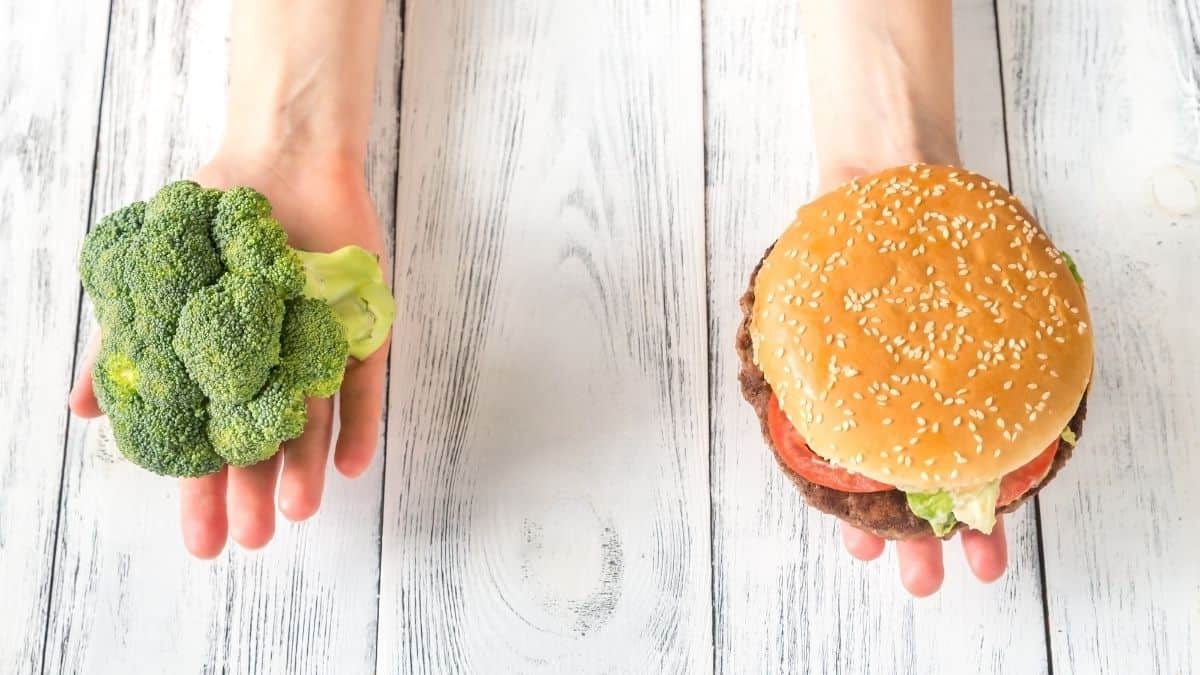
x=787 y=596
x=1104 y=130
x=50 y=82
x=127 y=598
x=546 y=501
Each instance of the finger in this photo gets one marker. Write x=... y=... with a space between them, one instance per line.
x=921 y=569
x=361 y=403
x=861 y=545
x=304 y=461
x=987 y=554
x=202 y=514
x=252 y=502
x=82 y=400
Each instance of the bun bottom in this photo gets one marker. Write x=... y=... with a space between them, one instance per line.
x=884 y=514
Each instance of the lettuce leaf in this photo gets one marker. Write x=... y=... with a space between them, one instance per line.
x=943 y=509
x=1071 y=266
x=935 y=507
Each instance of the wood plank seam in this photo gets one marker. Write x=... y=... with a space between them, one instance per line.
x=711 y=343
x=75 y=360
x=393 y=199
x=1037 y=504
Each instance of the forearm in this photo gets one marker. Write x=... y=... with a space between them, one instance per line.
x=881 y=78
x=301 y=77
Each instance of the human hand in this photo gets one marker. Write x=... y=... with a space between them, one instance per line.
x=921 y=569
x=323 y=204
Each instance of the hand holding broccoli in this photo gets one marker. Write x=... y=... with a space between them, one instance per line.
x=219 y=341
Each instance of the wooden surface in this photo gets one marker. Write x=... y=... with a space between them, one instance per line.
x=1113 y=171
x=47 y=149
x=546 y=500
x=572 y=482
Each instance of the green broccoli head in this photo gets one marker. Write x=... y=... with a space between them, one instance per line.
x=214 y=331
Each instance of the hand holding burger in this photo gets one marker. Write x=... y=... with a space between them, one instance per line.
x=918 y=353
x=881 y=83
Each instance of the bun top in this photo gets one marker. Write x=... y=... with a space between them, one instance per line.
x=918 y=327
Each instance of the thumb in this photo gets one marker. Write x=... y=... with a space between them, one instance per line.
x=83 y=398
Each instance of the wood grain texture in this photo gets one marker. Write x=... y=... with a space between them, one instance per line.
x=1103 y=122
x=546 y=503
x=126 y=596
x=787 y=597
x=49 y=97
x=546 y=500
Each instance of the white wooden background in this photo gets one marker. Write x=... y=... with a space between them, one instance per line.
x=572 y=484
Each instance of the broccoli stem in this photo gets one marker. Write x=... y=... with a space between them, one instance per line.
x=350 y=281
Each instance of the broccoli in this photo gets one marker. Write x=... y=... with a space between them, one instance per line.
x=214 y=331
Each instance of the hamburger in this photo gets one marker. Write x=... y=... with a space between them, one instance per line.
x=917 y=351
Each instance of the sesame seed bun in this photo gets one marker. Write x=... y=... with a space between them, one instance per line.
x=918 y=327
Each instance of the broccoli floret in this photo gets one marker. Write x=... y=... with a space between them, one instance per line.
x=163 y=378
x=214 y=330
x=102 y=264
x=252 y=243
x=171 y=256
x=249 y=432
x=313 y=351
x=313 y=348
x=228 y=337
x=167 y=438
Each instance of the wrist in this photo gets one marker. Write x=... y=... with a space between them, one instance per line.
x=882 y=83
x=289 y=137
x=884 y=146
x=269 y=167
x=301 y=77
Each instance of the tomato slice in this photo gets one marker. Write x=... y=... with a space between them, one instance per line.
x=1018 y=482
x=796 y=455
